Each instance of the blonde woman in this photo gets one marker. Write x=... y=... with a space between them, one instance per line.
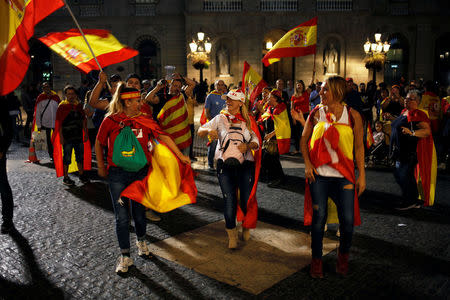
x=237 y=152
x=332 y=137
x=125 y=110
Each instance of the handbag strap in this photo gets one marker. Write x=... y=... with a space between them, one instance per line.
x=45 y=108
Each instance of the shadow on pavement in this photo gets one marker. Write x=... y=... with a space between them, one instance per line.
x=40 y=286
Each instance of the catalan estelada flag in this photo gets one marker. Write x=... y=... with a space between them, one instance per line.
x=18 y=18
x=298 y=41
x=72 y=47
x=252 y=83
x=169 y=183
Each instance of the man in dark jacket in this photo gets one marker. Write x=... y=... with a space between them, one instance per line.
x=6 y=135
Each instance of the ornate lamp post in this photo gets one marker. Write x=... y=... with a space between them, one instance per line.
x=375 y=54
x=200 y=48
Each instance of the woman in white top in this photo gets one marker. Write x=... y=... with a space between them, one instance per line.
x=331 y=139
x=235 y=163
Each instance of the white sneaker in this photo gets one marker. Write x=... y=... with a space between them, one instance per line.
x=149 y=214
x=142 y=248
x=123 y=264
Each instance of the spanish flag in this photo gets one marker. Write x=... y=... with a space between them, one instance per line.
x=64 y=108
x=252 y=83
x=369 y=137
x=282 y=127
x=72 y=47
x=169 y=183
x=330 y=135
x=18 y=19
x=298 y=41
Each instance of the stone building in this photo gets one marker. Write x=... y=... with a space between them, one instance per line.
x=419 y=33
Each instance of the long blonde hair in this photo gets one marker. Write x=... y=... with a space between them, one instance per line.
x=337 y=87
x=244 y=113
x=117 y=104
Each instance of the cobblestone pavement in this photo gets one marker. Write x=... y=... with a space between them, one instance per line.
x=65 y=244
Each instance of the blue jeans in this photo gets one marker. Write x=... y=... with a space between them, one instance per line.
x=344 y=198
x=231 y=179
x=404 y=176
x=67 y=153
x=118 y=180
x=211 y=153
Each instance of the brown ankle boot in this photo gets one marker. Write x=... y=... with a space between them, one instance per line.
x=232 y=238
x=342 y=264
x=245 y=234
x=316 y=268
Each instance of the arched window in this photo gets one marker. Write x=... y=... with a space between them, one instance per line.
x=283 y=69
x=148 y=62
x=442 y=60
x=396 y=64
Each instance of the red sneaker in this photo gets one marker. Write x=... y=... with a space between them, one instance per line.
x=316 y=268
x=342 y=264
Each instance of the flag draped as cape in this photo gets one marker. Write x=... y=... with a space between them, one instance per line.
x=340 y=138
x=64 y=108
x=426 y=169
x=169 y=183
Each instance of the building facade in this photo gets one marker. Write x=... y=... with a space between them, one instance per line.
x=418 y=31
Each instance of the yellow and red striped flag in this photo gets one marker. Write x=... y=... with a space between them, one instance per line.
x=252 y=83
x=18 y=20
x=369 y=137
x=72 y=47
x=298 y=41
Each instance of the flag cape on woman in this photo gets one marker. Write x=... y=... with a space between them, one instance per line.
x=169 y=183
x=426 y=168
x=282 y=127
x=250 y=218
x=340 y=139
x=64 y=108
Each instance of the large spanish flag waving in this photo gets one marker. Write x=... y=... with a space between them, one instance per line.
x=252 y=83
x=72 y=47
x=18 y=18
x=298 y=41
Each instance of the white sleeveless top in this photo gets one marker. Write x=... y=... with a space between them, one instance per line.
x=326 y=170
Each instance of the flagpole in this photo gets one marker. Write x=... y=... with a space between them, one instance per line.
x=84 y=37
x=314 y=68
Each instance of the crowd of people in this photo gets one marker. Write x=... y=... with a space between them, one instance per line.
x=328 y=123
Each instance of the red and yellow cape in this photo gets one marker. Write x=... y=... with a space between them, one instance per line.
x=282 y=127
x=64 y=108
x=340 y=137
x=426 y=168
x=169 y=183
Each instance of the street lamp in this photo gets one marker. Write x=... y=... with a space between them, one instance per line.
x=375 y=54
x=200 y=48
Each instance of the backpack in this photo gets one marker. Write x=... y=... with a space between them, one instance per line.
x=127 y=151
x=229 y=145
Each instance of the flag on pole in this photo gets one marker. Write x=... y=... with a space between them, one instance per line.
x=72 y=47
x=298 y=41
x=252 y=83
x=18 y=20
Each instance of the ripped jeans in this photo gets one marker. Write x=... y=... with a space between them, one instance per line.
x=337 y=189
x=230 y=179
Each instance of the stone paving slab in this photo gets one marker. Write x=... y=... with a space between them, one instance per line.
x=272 y=254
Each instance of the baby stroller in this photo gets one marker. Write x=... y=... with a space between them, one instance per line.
x=378 y=155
